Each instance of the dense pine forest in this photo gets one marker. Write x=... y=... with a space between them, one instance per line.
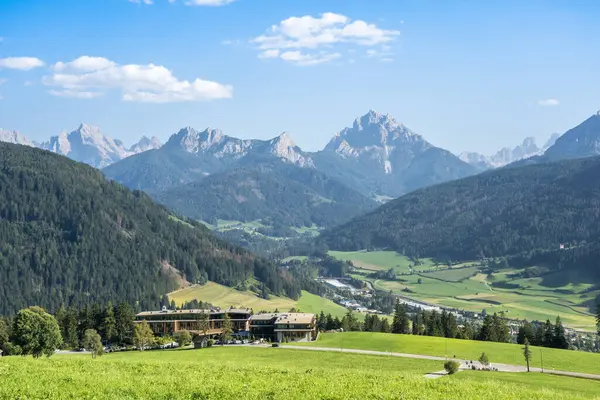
x=69 y=236
x=525 y=213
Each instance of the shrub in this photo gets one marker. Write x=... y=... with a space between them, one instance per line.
x=484 y=360
x=451 y=367
x=210 y=342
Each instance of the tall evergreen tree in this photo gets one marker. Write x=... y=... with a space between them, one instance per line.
x=98 y=317
x=501 y=329
x=322 y=322
x=548 y=340
x=488 y=330
x=400 y=323
x=385 y=326
x=538 y=335
x=69 y=329
x=377 y=323
x=450 y=325
x=124 y=324
x=109 y=323
x=525 y=332
x=560 y=339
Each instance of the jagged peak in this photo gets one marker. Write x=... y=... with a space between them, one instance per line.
x=374 y=117
x=283 y=139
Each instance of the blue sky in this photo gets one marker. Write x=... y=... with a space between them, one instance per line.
x=467 y=75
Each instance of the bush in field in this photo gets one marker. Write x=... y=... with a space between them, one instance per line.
x=183 y=338
x=210 y=343
x=484 y=360
x=92 y=342
x=451 y=367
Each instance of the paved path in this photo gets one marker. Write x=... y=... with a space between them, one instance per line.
x=464 y=364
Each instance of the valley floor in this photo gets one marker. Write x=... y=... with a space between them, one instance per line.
x=464 y=287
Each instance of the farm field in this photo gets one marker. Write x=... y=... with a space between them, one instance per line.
x=224 y=297
x=504 y=353
x=380 y=260
x=462 y=287
x=250 y=373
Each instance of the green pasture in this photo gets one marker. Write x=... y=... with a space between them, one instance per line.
x=252 y=373
x=505 y=353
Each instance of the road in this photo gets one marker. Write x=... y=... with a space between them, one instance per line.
x=464 y=364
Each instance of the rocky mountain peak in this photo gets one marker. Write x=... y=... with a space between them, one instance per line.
x=283 y=146
x=14 y=137
x=145 y=144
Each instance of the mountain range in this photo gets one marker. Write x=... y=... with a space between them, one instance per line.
x=209 y=175
x=508 y=155
x=85 y=144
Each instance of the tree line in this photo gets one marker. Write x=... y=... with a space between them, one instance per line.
x=493 y=328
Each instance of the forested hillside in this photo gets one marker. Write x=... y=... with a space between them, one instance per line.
x=68 y=235
x=523 y=211
x=275 y=192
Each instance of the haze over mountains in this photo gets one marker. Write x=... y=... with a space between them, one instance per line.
x=507 y=155
x=87 y=144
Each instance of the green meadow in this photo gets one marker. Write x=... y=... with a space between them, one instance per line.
x=258 y=373
x=504 y=353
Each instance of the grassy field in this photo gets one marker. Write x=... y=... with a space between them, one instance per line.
x=503 y=353
x=536 y=298
x=250 y=373
x=224 y=297
x=574 y=386
x=380 y=260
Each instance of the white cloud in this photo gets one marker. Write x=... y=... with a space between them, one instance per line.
x=74 y=93
x=141 y=1
x=327 y=31
x=549 y=102
x=2 y=81
x=306 y=59
x=382 y=54
x=88 y=77
x=269 y=54
x=85 y=64
x=22 y=63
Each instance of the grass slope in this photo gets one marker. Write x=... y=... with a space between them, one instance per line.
x=574 y=386
x=223 y=296
x=504 y=353
x=246 y=373
x=379 y=260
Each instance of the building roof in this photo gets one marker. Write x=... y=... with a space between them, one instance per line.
x=299 y=318
x=264 y=317
x=195 y=311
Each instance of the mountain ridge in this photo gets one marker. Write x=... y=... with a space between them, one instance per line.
x=70 y=236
